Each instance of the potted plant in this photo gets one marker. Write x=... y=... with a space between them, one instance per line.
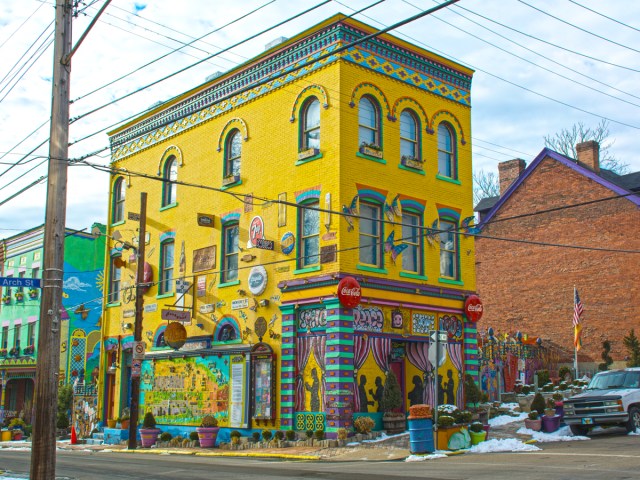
x=19 y=296
x=33 y=293
x=235 y=437
x=371 y=149
x=124 y=418
x=149 y=433
x=6 y=299
x=229 y=179
x=559 y=404
x=393 y=420
x=3 y=352
x=533 y=421
x=208 y=431
x=550 y=421
x=477 y=432
x=411 y=162
x=446 y=427
x=17 y=426
x=111 y=422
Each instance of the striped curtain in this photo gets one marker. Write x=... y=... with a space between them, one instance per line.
x=454 y=350
x=303 y=351
x=319 y=351
x=381 y=348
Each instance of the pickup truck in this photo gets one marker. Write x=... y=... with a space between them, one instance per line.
x=612 y=398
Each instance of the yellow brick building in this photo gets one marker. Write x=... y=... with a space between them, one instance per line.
x=317 y=160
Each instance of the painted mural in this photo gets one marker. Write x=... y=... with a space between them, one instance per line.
x=181 y=391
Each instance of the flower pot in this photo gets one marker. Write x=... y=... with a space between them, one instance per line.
x=394 y=422
x=6 y=435
x=124 y=424
x=207 y=436
x=443 y=434
x=550 y=424
x=534 y=425
x=477 y=437
x=370 y=151
x=486 y=428
x=149 y=436
x=17 y=434
x=111 y=423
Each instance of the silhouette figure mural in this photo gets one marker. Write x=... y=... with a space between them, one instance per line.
x=449 y=388
x=377 y=395
x=362 y=393
x=416 y=395
x=440 y=391
x=314 y=390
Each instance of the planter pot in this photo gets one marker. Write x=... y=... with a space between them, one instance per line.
x=550 y=424
x=560 y=410
x=124 y=424
x=534 y=425
x=486 y=427
x=207 y=436
x=372 y=152
x=6 y=435
x=149 y=436
x=394 y=423
x=17 y=435
x=477 y=437
x=111 y=423
x=443 y=434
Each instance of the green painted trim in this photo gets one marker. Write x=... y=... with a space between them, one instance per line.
x=121 y=222
x=315 y=268
x=471 y=340
x=114 y=304
x=413 y=170
x=339 y=366
x=309 y=159
x=338 y=355
x=287 y=404
x=450 y=282
x=447 y=179
x=234 y=184
x=470 y=329
x=373 y=159
x=167 y=207
x=471 y=362
x=229 y=284
x=166 y=295
x=371 y=269
x=415 y=276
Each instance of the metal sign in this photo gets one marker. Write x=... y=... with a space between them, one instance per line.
x=176 y=315
x=205 y=220
x=138 y=350
x=441 y=336
x=133 y=216
x=239 y=303
x=19 y=282
x=136 y=368
x=264 y=244
x=182 y=286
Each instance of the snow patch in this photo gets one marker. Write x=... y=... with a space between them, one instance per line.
x=506 y=419
x=635 y=432
x=563 y=434
x=503 y=445
x=422 y=458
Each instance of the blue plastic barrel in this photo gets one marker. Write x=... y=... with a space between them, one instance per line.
x=421 y=435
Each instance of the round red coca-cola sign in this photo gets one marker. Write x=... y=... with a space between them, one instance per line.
x=349 y=292
x=473 y=308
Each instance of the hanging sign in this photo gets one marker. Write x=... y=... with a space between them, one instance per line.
x=287 y=243
x=183 y=316
x=257 y=280
x=205 y=220
x=349 y=292
x=256 y=230
x=473 y=308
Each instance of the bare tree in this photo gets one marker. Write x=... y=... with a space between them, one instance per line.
x=485 y=184
x=565 y=141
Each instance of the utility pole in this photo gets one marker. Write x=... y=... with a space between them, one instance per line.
x=137 y=332
x=43 y=449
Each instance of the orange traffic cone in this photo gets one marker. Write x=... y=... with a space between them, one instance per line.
x=74 y=437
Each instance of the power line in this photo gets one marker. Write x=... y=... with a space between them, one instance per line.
x=605 y=16
x=21 y=25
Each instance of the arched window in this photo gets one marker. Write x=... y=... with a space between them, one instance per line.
x=119 y=190
x=233 y=154
x=310 y=128
x=309 y=235
x=169 y=176
x=446 y=152
x=412 y=236
x=369 y=122
x=409 y=135
x=167 y=262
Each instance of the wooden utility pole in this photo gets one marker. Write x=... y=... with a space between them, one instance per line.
x=43 y=449
x=137 y=332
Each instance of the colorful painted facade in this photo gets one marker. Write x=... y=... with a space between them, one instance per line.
x=266 y=186
x=20 y=313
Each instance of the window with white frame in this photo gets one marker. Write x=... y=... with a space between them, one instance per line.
x=412 y=236
x=310 y=127
x=448 y=249
x=114 y=280
x=167 y=262
x=370 y=234
x=230 y=241
x=169 y=188
x=409 y=131
x=309 y=234
x=369 y=122
x=446 y=152
x=119 y=190
x=233 y=153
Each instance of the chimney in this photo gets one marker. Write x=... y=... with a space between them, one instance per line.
x=589 y=155
x=508 y=172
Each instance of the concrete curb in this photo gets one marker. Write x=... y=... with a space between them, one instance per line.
x=283 y=456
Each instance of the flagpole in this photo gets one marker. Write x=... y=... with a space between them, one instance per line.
x=575 y=347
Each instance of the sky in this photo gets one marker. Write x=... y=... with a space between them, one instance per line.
x=540 y=66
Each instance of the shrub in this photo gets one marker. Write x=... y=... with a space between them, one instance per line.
x=193 y=435
x=290 y=435
x=558 y=397
x=543 y=377
x=533 y=415
x=547 y=387
x=319 y=434
x=62 y=420
x=255 y=436
x=563 y=386
x=266 y=435
x=309 y=433
x=17 y=423
x=526 y=389
x=563 y=372
x=209 y=421
x=445 y=420
x=364 y=424
x=538 y=403
x=149 y=420
x=342 y=434
x=471 y=390
x=391 y=395
x=235 y=433
x=165 y=436
x=465 y=417
x=279 y=435
x=476 y=427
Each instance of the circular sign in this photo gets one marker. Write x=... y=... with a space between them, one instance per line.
x=349 y=292
x=175 y=335
x=260 y=327
x=257 y=280
x=256 y=229
x=287 y=243
x=473 y=308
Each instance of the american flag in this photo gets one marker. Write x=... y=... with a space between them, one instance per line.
x=577 y=313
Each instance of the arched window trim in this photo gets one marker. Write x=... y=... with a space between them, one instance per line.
x=417 y=141
x=377 y=141
x=169 y=190
x=452 y=154
x=118 y=200
x=304 y=130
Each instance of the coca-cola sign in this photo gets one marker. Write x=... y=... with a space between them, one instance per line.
x=473 y=308
x=349 y=292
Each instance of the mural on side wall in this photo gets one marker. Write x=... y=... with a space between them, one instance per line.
x=182 y=390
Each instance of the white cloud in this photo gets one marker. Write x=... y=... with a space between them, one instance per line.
x=74 y=283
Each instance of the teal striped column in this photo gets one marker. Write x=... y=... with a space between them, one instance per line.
x=338 y=395
x=470 y=346
x=288 y=367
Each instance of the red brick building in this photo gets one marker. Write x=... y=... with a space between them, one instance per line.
x=528 y=286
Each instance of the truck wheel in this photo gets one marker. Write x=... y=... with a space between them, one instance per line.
x=579 y=430
x=633 y=423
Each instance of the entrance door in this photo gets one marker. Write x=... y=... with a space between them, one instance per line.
x=397 y=367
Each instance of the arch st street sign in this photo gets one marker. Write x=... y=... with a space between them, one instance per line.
x=19 y=282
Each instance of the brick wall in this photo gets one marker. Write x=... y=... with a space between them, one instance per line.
x=530 y=288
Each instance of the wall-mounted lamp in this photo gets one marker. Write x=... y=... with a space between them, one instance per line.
x=128 y=326
x=112 y=369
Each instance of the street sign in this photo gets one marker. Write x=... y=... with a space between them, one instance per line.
x=441 y=336
x=138 y=350
x=136 y=368
x=182 y=286
x=19 y=282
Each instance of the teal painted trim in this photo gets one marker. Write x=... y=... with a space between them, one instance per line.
x=471 y=362
x=470 y=330
x=364 y=268
x=167 y=207
x=447 y=179
x=114 y=304
x=229 y=284
x=338 y=354
x=234 y=184
x=373 y=159
x=448 y=281
x=415 y=276
x=413 y=170
x=341 y=367
x=287 y=404
x=165 y=295
x=345 y=380
x=315 y=268
x=288 y=357
x=121 y=222
x=307 y=160
x=471 y=340
x=340 y=342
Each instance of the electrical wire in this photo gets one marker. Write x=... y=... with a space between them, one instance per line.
x=605 y=16
x=21 y=25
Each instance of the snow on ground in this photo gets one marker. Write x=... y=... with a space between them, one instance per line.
x=506 y=419
x=422 y=458
x=563 y=434
x=503 y=445
x=635 y=432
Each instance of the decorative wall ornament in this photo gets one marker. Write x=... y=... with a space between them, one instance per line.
x=395 y=250
x=204 y=259
x=368 y=319
x=282 y=210
x=308 y=91
x=352 y=209
x=393 y=210
x=257 y=280
x=452 y=118
x=422 y=322
x=287 y=243
x=237 y=123
x=433 y=233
